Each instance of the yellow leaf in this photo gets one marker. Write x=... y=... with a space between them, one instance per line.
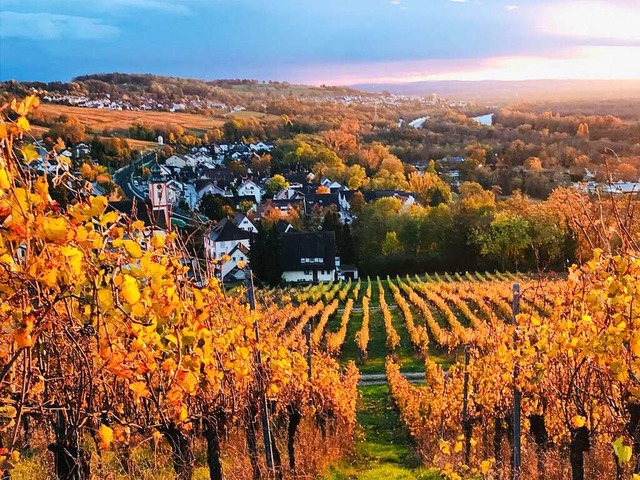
x=55 y=229
x=138 y=225
x=188 y=381
x=22 y=335
x=457 y=448
x=444 y=447
x=105 y=436
x=578 y=421
x=109 y=217
x=157 y=241
x=132 y=248
x=129 y=289
x=30 y=153
x=485 y=466
x=623 y=452
x=183 y=413
x=139 y=390
x=23 y=123
x=5 y=179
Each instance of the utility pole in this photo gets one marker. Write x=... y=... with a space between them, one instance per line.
x=466 y=424
x=307 y=334
x=517 y=395
x=266 y=428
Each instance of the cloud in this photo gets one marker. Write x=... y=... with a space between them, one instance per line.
x=395 y=2
x=458 y=1
x=573 y=63
x=594 y=20
x=156 y=5
x=511 y=8
x=107 y=6
x=51 y=26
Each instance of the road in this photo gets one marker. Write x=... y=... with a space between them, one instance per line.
x=122 y=177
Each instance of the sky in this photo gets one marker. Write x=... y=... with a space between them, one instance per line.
x=336 y=42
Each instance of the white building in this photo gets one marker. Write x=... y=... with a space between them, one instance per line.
x=241 y=221
x=226 y=239
x=308 y=257
x=248 y=188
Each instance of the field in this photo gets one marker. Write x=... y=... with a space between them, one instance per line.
x=408 y=337
x=412 y=322
x=100 y=120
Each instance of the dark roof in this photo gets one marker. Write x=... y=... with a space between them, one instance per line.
x=282 y=226
x=296 y=177
x=320 y=199
x=226 y=231
x=297 y=246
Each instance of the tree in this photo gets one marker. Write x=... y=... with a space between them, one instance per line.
x=264 y=255
x=68 y=128
x=391 y=244
x=430 y=188
x=357 y=202
x=275 y=184
x=215 y=207
x=356 y=177
x=506 y=238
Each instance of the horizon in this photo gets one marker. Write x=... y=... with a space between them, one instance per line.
x=363 y=42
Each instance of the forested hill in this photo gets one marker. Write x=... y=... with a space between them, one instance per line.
x=173 y=89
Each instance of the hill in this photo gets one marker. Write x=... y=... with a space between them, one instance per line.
x=165 y=93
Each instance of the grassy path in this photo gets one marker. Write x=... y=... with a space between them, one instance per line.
x=382 y=450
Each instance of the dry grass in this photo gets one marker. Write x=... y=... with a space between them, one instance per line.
x=250 y=114
x=99 y=119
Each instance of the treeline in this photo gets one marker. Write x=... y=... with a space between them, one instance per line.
x=473 y=232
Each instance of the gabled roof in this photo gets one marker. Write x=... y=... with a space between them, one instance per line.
x=226 y=231
x=240 y=247
x=238 y=218
x=321 y=199
x=300 y=247
x=247 y=182
x=282 y=226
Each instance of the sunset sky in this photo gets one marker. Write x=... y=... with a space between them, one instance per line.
x=328 y=41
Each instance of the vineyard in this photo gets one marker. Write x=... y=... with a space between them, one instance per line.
x=459 y=331
x=115 y=362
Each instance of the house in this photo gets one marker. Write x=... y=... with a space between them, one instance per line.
x=308 y=257
x=333 y=187
x=226 y=239
x=249 y=188
x=81 y=150
x=321 y=200
x=241 y=221
x=210 y=188
x=289 y=194
x=282 y=226
x=177 y=161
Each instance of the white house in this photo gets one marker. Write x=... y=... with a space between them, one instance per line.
x=177 y=161
x=308 y=256
x=248 y=188
x=260 y=146
x=226 y=239
x=213 y=189
x=241 y=221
